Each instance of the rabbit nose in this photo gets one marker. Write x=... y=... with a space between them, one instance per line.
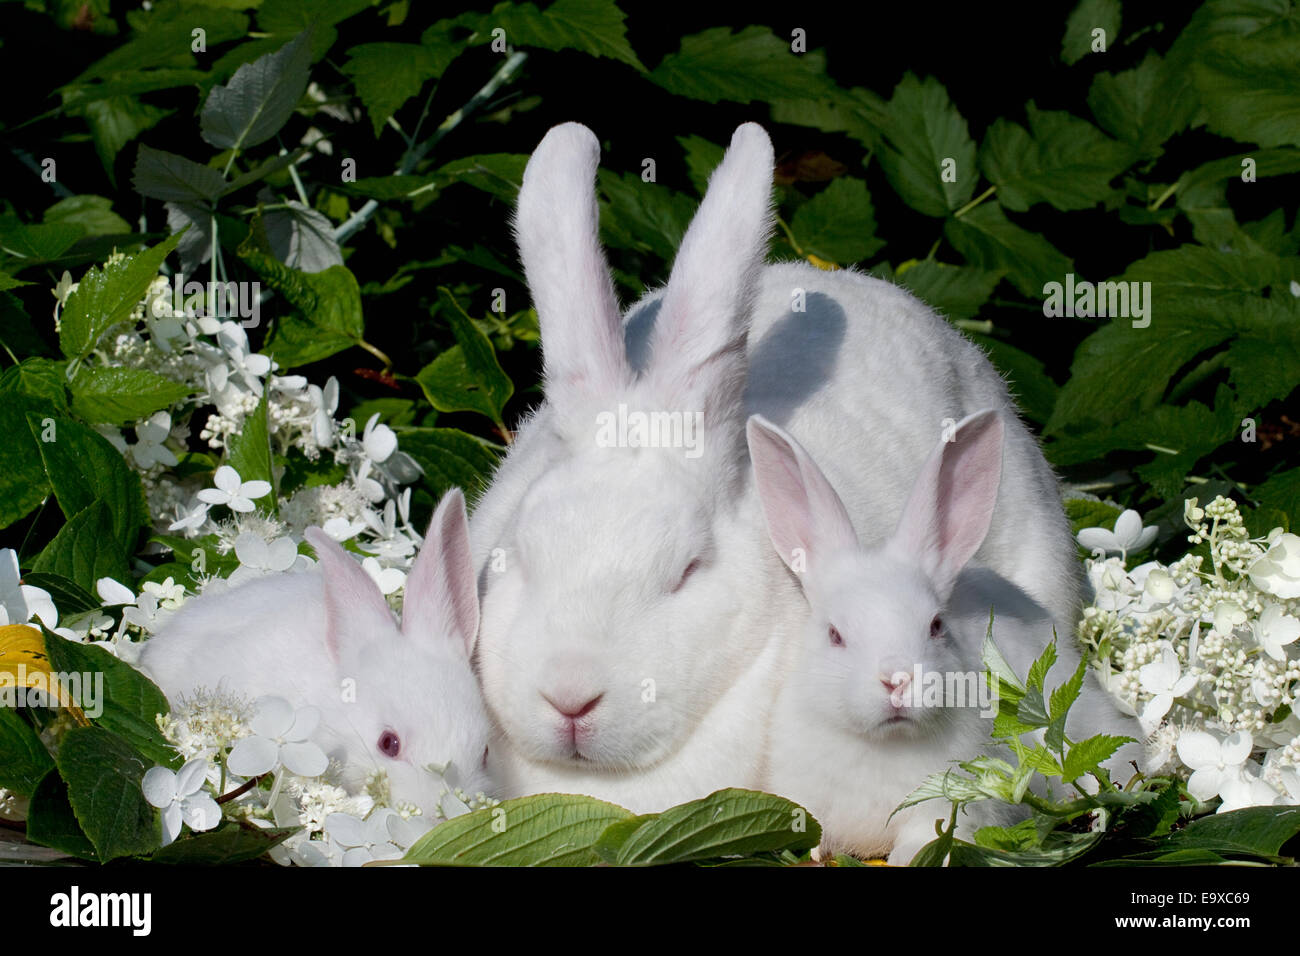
x=898 y=680
x=574 y=707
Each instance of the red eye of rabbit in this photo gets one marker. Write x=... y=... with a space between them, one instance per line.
x=936 y=627
x=837 y=639
x=390 y=744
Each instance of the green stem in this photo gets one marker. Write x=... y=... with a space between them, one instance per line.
x=377 y=353
x=975 y=202
x=1160 y=200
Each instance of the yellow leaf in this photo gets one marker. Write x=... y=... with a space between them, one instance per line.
x=824 y=264
x=23 y=663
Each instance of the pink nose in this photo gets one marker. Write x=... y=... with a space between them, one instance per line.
x=896 y=681
x=572 y=708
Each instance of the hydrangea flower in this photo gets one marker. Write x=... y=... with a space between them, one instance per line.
x=280 y=738
x=181 y=798
x=1128 y=535
x=1164 y=680
x=1274 y=630
x=234 y=492
x=20 y=603
x=1278 y=570
x=1216 y=765
x=258 y=557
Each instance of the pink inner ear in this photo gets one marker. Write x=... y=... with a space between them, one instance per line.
x=442 y=589
x=950 y=509
x=355 y=609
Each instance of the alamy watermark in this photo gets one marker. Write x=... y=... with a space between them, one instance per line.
x=923 y=688
x=220 y=300
x=41 y=688
x=656 y=429
x=1084 y=299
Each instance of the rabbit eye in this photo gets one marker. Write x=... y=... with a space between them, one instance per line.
x=690 y=569
x=390 y=744
x=936 y=627
x=837 y=639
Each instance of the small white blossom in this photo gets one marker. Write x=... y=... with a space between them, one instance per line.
x=181 y=798
x=233 y=492
x=280 y=737
x=1128 y=535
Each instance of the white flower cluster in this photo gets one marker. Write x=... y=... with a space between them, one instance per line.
x=1206 y=657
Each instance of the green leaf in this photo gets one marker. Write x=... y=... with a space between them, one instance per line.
x=1088 y=755
x=838 y=224
x=388 y=188
x=163 y=38
x=41 y=241
x=166 y=176
x=250 y=450
x=23 y=758
x=104 y=775
x=83 y=549
x=51 y=822
x=858 y=113
x=301 y=238
x=106 y=296
x=259 y=99
x=1063 y=160
x=1250 y=832
x=500 y=174
x=1064 y=696
x=116 y=120
x=23 y=484
x=992 y=242
x=753 y=64
x=187 y=551
x=946 y=785
x=648 y=217
x=702 y=158
x=327 y=304
x=130 y=702
x=1281 y=491
x=450 y=458
x=1266 y=162
x=84 y=468
x=386 y=75
x=1089 y=15
x=228 y=844
x=923 y=132
x=1248 y=87
x=549 y=829
x=595 y=27
x=68 y=596
x=121 y=396
x=956 y=291
x=1086 y=513
x=1156 y=817
x=466 y=377
x=726 y=823
x=92 y=214
x=1077 y=844
x=1145 y=106
x=39 y=378
x=996 y=664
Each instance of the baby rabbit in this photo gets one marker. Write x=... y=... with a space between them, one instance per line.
x=888 y=687
x=401 y=700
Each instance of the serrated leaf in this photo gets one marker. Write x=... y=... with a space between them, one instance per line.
x=172 y=178
x=1085 y=513
x=23 y=484
x=104 y=775
x=386 y=75
x=726 y=823
x=92 y=214
x=1033 y=389
x=51 y=821
x=1087 y=755
x=1039 y=668
x=838 y=224
x=83 y=468
x=1145 y=106
x=39 y=241
x=249 y=452
x=83 y=550
x=1247 y=87
x=1088 y=16
x=450 y=458
x=39 y=378
x=500 y=174
x=923 y=132
x=259 y=99
x=466 y=377
x=753 y=64
x=1064 y=696
x=549 y=829
x=1063 y=160
x=116 y=120
x=702 y=158
x=302 y=238
x=946 y=785
x=106 y=296
x=992 y=242
x=858 y=113
x=120 y=396
x=648 y=217
x=956 y=291
x=595 y=27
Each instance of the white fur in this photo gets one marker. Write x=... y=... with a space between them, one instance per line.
x=580 y=547
x=317 y=636
x=841 y=744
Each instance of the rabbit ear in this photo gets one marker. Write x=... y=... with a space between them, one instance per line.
x=805 y=517
x=699 y=333
x=555 y=223
x=950 y=508
x=355 y=609
x=442 y=591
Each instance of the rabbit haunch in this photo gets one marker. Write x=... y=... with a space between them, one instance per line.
x=637 y=622
x=398 y=700
x=852 y=736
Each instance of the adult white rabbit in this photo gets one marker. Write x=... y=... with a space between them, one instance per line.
x=394 y=699
x=888 y=687
x=635 y=620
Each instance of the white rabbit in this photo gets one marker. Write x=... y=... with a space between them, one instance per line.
x=390 y=699
x=888 y=687
x=635 y=620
